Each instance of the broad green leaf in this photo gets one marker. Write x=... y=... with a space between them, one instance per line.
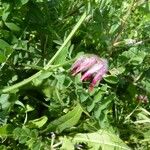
x=66 y=121
x=5 y=50
x=114 y=28
x=44 y=75
x=3 y=44
x=138 y=59
x=7 y=100
x=38 y=122
x=60 y=80
x=38 y=81
x=4 y=101
x=19 y=103
x=24 y=1
x=146 y=84
x=3 y=147
x=100 y=107
x=29 y=108
x=67 y=144
x=112 y=79
x=12 y=26
x=58 y=42
x=6 y=12
x=61 y=58
x=117 y=71
x=6 y=130
x=83 y=96
x=101 y=139
x=2 y=57
x=95 y=100
x=5 y=15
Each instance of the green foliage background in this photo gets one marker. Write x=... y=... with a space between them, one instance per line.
x=42 y=106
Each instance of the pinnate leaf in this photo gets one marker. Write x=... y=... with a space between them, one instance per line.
x=101 y=139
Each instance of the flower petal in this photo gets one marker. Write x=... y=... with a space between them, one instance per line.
x=98 y=77
x=91 y=67
x=86 y=64
x=77 y=63
x=95 y=80
x=93 y=70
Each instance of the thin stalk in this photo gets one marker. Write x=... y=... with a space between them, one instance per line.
x=67 y=40
x=25 y=81
x=123 y=25
x=124 y=20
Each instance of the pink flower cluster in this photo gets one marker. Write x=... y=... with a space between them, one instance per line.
x=91 y=67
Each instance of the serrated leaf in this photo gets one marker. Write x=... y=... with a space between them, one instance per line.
x=66 y=121
x=83 y=96
x=102 y=139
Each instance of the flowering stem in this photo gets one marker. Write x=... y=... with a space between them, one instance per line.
x=25 y=81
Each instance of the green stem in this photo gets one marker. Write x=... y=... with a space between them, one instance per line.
x=25 y=81
x=66 y=41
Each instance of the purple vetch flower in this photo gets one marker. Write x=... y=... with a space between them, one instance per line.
x=91 y=67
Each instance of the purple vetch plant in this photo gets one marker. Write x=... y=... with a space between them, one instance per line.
x=91 y=67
